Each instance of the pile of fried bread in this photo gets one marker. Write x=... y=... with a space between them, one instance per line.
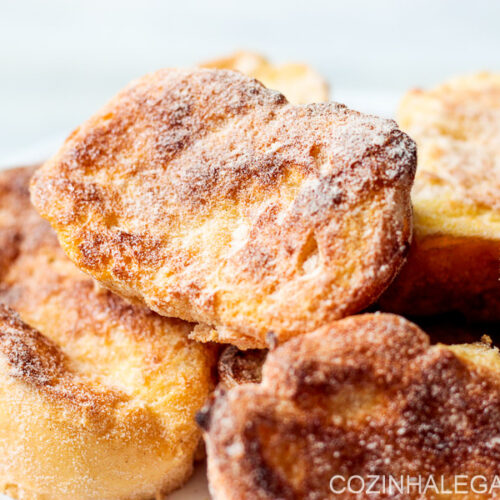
x=222 y=259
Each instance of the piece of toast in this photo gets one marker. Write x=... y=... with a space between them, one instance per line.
x=97 y=396
x=366 y=395
x=210 y=198
x=300 y=83
x=454 y=261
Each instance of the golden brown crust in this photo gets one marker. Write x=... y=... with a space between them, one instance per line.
x=210 y=198
x=300 y=83
x=40 y=364
x=366 y=395
x=454 y=263
x=457 y=128
x=104 y=393
x=236 y=367
x=448 y=273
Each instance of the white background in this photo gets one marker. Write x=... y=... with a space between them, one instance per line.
x=60 y=60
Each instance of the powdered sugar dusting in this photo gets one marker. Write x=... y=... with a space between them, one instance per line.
x=457 y=128
x=364 y=396
x=87 y=379
x=198 y=191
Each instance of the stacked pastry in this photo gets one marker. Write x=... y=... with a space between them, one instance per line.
x=213 y=211
x=98 y=396
x=453 y=264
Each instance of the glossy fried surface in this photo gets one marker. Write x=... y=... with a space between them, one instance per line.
x=300 y=83
x=367 y=395
x=98 y=397
x=210 y=198
x=454 y=261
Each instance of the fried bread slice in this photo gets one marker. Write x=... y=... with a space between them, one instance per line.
x=98 y=396
x=210 y=198
x=454 y=262
x=300 y=83
x=237 y=367
x=366 y=395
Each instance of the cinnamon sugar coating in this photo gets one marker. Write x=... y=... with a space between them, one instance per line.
x=366 y=395
x=210 y=198
x=98 y=396
x=453 y=264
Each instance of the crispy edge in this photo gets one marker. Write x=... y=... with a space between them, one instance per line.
x=292 y=401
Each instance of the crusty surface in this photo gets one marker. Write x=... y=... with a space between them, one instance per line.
x=98 y=397
x=210 y=198
x=447 y=273
x=300 y=83
x=454 y=263
x=366 y=395
x=236 y=367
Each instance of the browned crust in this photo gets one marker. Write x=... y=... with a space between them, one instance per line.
x=448 y=273
x=35 y=273
x=39 y=282
x=210 y=198
x=365 y=395
x=31 y=355
x=454 y=262
x=64 y=355
x=236 y=367
x=36 y=360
